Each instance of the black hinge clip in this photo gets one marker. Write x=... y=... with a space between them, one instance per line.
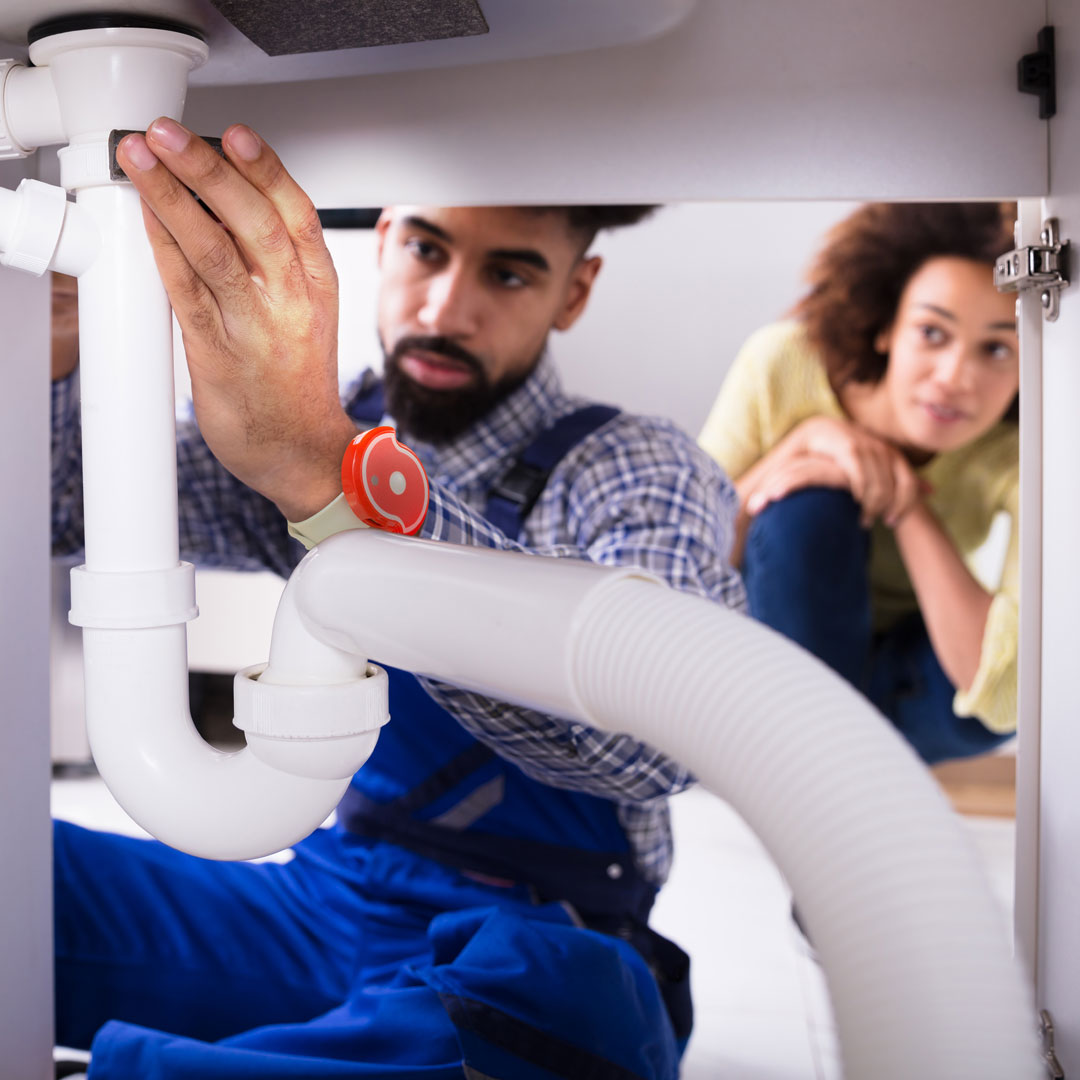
x=1035 y=73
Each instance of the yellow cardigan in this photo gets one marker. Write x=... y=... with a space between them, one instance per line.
x=776 y=382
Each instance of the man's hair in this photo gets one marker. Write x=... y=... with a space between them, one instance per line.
x=587 y=221
x=868 y=258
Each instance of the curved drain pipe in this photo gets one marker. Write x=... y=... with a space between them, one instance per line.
x=133 y=595
x=913 y=946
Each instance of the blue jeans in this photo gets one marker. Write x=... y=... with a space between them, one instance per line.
x=805 y=568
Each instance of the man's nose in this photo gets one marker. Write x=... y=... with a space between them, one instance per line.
x=450 y=307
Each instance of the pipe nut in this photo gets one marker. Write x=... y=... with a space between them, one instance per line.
x=304 y=712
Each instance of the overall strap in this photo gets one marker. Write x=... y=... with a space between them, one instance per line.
x=514 y=494
x=369 y=405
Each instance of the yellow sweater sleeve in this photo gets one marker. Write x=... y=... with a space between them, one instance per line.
x=775 y=382
x=992 y=695
x=732 y=434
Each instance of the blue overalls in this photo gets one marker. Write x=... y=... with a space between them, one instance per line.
x=461 y=919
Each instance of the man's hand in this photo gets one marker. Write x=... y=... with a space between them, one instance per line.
x=255 y=293
x=65 y=325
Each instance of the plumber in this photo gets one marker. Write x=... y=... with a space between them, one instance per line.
x=481 y=905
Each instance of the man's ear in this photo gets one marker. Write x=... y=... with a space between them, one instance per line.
x=382 y=226
x=578 y=290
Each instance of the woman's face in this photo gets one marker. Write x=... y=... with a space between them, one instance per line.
x=953 y=353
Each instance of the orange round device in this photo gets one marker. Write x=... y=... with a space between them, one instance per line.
x=384 y=482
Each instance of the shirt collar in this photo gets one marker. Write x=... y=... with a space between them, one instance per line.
x=480 y=452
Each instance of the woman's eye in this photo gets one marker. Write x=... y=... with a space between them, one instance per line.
x=999 y=352
x=932 y=335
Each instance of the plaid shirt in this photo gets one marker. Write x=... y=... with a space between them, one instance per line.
x=636 y=492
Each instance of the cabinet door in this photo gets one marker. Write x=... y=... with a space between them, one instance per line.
x=1057 y=870
x=25 y=845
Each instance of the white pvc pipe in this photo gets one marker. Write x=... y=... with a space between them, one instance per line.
x=126 y=378
x=133 y=596
x=913 y=946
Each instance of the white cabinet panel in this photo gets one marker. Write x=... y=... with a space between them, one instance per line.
x=744 y=99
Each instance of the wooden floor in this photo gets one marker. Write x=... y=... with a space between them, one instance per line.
x=984 y=785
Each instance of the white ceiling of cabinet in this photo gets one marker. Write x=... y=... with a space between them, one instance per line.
x=514 y=30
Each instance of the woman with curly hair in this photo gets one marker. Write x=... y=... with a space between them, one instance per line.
x=872 y=439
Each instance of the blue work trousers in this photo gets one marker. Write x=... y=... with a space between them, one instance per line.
x=806 y=572
x=355 y=959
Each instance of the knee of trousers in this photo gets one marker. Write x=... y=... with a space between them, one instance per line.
x=814 y=527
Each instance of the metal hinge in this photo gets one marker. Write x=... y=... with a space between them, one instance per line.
x=1037 y=266
x=1046 y=1030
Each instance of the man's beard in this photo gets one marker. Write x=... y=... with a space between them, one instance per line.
x=437 y=416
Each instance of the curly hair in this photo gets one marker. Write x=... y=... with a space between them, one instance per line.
x=859 y=275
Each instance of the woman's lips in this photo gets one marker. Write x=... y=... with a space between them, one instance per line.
x=944 y=414
x=437 y=372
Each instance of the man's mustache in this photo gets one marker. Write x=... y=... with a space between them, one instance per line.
x=438 y=346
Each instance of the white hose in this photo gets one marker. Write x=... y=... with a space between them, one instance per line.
x=913 y=946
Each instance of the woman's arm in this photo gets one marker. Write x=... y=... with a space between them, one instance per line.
x=954 y=605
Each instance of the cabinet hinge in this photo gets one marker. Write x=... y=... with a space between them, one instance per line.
x=1042 y=266
x=1035 y=73
x=1046 y=1030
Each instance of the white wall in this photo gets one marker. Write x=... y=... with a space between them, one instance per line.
x=677 y=296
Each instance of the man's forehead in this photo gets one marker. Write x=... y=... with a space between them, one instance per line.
x=489 y=227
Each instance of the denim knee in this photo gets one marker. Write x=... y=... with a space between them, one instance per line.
x=812 y=534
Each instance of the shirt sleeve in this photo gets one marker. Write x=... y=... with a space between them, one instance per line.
x=627 y=497
x=222 y=521
x=992 y=694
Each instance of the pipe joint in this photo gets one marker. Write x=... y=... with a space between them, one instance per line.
x=311 y=711
x=29 y=110
x=35 y=222
x=40 y=230
x=136 y=600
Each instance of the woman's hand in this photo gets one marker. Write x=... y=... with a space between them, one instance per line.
x=255 y=293
x=879 y=477
x=785 y=475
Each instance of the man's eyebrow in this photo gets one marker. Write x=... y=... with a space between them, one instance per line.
x=529 y=256
x=418 y=222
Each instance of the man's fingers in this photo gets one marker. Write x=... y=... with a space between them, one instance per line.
x=252 y=225
x=258 y=163
x=209 y=250
x=192 y=301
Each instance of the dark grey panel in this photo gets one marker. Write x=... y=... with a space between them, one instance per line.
x=285 y=27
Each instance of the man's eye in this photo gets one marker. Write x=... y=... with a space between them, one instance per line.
x=421 y=249
x=508 y=279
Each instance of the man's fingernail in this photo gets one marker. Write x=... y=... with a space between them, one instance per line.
x=169 y=134
x=138 y=153
x=245 y=142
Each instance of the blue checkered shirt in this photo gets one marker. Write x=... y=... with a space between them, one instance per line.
x=636 y=492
